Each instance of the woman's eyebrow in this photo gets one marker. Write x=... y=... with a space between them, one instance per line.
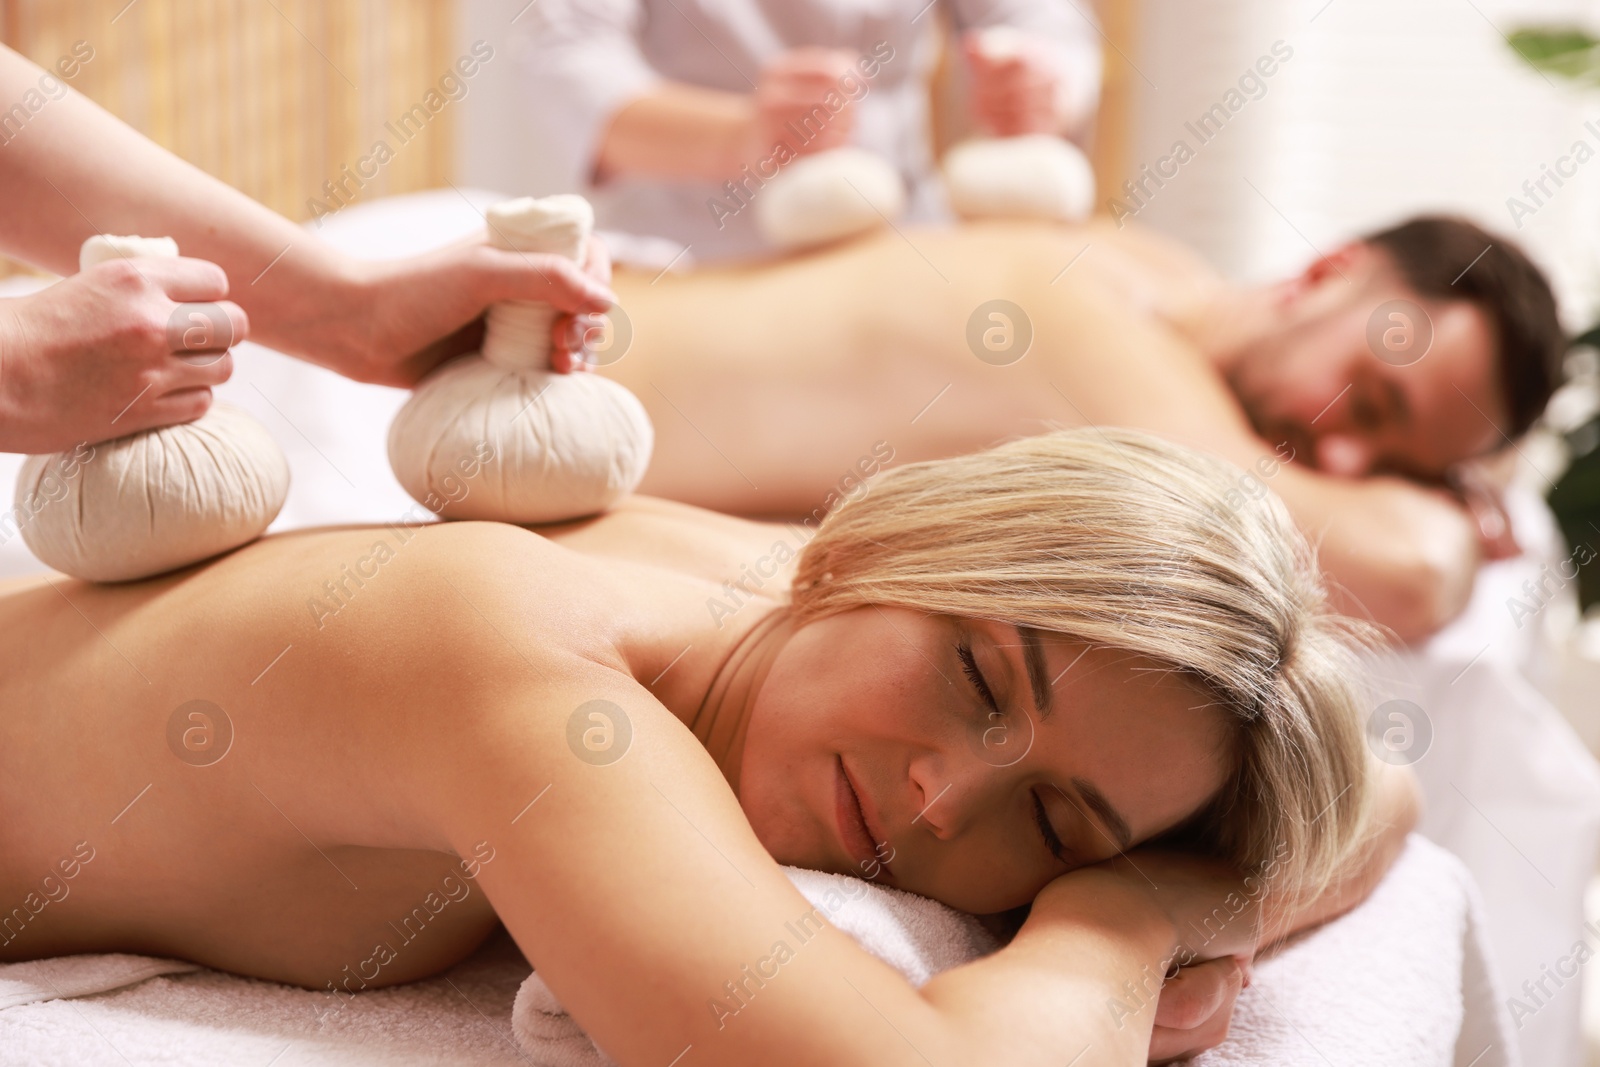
x=1109 y=816
x=1038 y=674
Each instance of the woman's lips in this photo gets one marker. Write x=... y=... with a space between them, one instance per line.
x=852 y=821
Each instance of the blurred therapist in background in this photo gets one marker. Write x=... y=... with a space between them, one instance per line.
x=649 y=106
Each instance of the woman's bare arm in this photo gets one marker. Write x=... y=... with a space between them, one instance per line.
x=639 y=891
x=677 y=130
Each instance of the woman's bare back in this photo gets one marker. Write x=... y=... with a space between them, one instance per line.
x=178 y=755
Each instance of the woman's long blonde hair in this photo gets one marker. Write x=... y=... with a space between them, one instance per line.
x=1119 y=539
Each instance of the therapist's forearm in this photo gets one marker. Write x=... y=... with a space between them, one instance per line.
x=75 y=170
x=677 y=131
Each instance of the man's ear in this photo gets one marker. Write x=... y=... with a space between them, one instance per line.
x=1351 y=263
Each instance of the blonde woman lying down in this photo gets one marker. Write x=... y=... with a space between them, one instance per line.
x=994 y=675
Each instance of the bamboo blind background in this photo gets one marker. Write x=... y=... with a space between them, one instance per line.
x=275 y=97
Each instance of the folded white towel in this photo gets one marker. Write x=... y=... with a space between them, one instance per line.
x=78 y=976
x=916 y=936
x=1405 y=979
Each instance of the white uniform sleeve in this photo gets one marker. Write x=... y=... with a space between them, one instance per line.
x=578 y=61
x=1067 y=27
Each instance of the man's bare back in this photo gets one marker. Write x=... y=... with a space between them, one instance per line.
x=767 y=383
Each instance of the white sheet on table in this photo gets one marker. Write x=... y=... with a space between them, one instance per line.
x=1508 y=785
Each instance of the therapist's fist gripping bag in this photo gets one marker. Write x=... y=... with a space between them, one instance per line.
x=154 y=501
x=1039 y=176
x=828 y=196
x=499 y=435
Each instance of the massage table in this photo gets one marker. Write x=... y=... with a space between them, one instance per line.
x=1509 y=787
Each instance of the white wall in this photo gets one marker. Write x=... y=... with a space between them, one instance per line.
x=1387 y=107
x=492 y=152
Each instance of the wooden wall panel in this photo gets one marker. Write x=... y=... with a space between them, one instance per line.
x=1111 y=152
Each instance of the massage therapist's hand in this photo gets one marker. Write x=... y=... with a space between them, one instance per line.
x=96 y=355
x=387 y=323
x=577 y=340
x=791 y=87
x=409 y=315
x=1015 y=93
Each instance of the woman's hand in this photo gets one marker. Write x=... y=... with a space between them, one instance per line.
x=1208 y=923
x=1212 y=912
x=1196 y=1009
x=406 y=316
x=112 y=350
x=1216 y=922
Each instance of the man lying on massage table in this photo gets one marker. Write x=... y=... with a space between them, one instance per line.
x=996 y=676
x=1375 y=371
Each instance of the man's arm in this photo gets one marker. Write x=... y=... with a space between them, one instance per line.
x=801 y=394
x=77 y=171
x=1401 y=554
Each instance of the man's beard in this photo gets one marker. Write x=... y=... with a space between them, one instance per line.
x=1245 y=382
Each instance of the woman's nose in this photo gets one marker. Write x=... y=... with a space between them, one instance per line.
x=951 y=790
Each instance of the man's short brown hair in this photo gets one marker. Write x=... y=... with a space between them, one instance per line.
x=1446 y=258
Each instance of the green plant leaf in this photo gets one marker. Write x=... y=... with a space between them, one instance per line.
x=1568 y=51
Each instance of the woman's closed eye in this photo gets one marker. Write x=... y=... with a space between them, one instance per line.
x=969 y=666
x=1051 y=841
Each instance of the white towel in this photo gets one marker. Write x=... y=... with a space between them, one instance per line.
x=1402 y=980
x=78 y=976
x=916 y=936
x=1405 y=979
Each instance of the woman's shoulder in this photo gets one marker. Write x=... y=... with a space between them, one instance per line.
x=417 y=587
x=688 y=541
